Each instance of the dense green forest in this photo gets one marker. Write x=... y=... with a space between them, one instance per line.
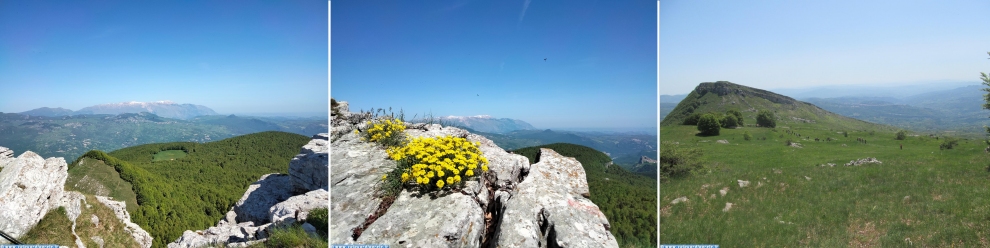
x=628 y=200
x=195 y=191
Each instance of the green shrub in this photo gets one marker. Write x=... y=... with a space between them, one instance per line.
x=845 y=134
x=319 y=218
x=692 y=119
x=948 y=143
x=901 y=135
x=746 y=136
x=765 y=118
x=293 y=236
x=709 y=124
x=675 y=161
x=729 y=121
x=738 y=115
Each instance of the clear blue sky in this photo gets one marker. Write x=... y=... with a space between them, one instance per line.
x=486 y=58
x=231 y=56
x=794 y=44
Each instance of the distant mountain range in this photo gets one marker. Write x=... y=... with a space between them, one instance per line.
x=959 y=110
x=71 y=136
x=167 y=109
x=485 y=123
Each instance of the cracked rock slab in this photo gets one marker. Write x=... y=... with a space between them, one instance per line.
x=450 y=220
x=310 y=167
x=549 y=208
x=355 y=173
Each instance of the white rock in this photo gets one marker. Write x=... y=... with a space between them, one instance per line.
x=743 y=184
x=310 y=168
x=30 y=186
x=724 y=191
x=728 y=205
x=679 y=200
x=120 y=210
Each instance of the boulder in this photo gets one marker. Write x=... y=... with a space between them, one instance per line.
x=30 y=186
x=550 y=208
x=297 y=208
x=309 y=169
x=260 y=196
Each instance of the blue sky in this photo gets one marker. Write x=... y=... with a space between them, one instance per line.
x=486 y=58
x=795 y=44
x=231 y=56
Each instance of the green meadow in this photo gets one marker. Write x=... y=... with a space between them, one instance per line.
x=168 y=155
x=920 y=195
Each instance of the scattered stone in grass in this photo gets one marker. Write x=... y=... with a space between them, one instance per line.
x=712 y=197
x=844 y=145
x=679 y=200
x=806 y=177
x=703 y=141
x=759 y=184
x=764 y=179
x=724 y=191
x=722 y=141
x=776 y=171
x=743 y=184
x=796 y=145
x=705 y=186
x=827 y=164
x=867 y=160
x=728 y=205
x=907 y=199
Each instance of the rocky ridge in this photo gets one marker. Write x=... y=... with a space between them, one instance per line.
x=274 y=200
x=514 y=204
x=30 y=187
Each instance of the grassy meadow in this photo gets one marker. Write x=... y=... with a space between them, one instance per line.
x=919 y=196
x=168 y=155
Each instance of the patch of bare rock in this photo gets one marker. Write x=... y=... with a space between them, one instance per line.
x=514 y=204
x=863 y=161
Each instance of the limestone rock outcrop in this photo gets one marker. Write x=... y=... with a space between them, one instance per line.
x=142 y=237
x=274 y=200
x=508 y=206
x=30 y=186
x=311 y=162
x=555 y=193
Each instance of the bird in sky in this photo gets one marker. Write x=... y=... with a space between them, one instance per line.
x=544 y=59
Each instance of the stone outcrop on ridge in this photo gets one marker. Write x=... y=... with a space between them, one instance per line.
x=274 y=200
x=508 y=206
x=30 y=186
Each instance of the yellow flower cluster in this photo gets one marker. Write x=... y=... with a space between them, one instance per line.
x=439 y=161
x=381 y=130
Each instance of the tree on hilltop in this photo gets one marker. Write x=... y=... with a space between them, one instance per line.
x=986 y=99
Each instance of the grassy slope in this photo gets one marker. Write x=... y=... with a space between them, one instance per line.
x=56 y=228
x=839 y=206
x=93 y=177
x=628 y=200
x=168 y=155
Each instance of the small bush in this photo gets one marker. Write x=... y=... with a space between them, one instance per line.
x=948 y=143
x=729 y=121
x=738 y=115
x=746 y=136
x=692 y=119
x=845 y=134
x=438 y=162
x=765 y=118
x=901 y=135
x=675 y=161
x=789 y=142
x=386 y=131
x=709 y=125
x=319 y=218
x=872 y=132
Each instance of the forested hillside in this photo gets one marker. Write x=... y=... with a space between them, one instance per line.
x=193 y=192
x=628 y=200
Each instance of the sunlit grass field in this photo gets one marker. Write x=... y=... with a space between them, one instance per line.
x=168 y=155
x=919 y=196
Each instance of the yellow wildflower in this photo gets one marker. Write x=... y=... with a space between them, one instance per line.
x=439 y=183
